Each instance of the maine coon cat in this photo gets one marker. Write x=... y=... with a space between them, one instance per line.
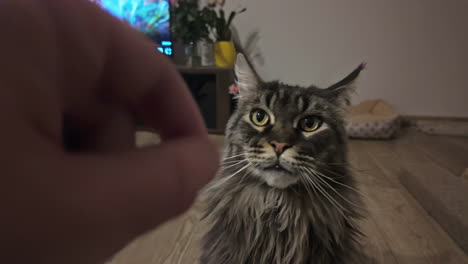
x=285 y=194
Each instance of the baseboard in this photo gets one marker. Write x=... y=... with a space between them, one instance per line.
x=451 y=126
x=435 y=118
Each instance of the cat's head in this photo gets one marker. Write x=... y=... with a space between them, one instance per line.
x=286 y=131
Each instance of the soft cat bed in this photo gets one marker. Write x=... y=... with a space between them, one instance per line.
x=374 y=119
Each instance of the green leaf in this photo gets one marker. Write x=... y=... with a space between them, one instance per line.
x=242 y=10
x=221 y=14
x=231 y=17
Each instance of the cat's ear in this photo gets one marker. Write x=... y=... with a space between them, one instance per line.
x=340 y=92
x=247 y=79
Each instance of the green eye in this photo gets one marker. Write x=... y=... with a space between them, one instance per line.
x=259 y=117
x=310 y=123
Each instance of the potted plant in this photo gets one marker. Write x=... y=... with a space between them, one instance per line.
x=189 y=27
x=220 y=28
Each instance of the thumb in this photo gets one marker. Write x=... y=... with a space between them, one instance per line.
x=137 y=190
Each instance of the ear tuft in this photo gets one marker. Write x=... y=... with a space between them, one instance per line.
x=246 y=78
x=341 y=91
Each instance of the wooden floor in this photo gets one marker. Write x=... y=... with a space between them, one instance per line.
x=398 y=229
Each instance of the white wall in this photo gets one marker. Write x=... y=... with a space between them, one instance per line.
x=416 y=50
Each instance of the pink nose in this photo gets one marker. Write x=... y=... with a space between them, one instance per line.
x=279 y=146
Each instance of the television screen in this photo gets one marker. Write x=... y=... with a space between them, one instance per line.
x=152 y=17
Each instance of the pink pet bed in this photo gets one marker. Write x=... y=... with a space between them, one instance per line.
x=372 y=119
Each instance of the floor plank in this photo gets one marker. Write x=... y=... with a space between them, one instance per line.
x=443 y=150
x=375 y=246
x=412 y=235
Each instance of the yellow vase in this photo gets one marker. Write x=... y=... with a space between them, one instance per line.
x=225 y=53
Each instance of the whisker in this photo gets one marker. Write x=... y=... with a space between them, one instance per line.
x=231 y=157
x=221 y=181
x=295 y=191
x=316 y=187
x=337 y=205
x=351 y=188
x=326 y=194
x=242 y=179
x=339 y=176
x=306 y=185
x=342 y=184
x=235 y=164
x=310 y=188
x=339 y=194
x=348 y=165
x=233 y=160
x=309 y=182
x=230 y=163
x=305 y=157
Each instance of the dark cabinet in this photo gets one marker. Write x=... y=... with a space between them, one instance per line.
x=209 y=87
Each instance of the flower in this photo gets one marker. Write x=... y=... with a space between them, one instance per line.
x=221 y=2
x=233 y=89
x=211 y=2
x=174 y=3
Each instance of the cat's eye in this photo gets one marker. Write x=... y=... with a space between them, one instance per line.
x=259 y=117
x=310 y=123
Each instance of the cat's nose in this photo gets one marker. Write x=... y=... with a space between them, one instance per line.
x=279 y=146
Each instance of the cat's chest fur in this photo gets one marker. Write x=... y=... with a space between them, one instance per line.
x=268 y=225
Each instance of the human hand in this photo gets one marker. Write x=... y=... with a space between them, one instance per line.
x=66 y=62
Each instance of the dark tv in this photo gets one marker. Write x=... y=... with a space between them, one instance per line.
x=152 y=17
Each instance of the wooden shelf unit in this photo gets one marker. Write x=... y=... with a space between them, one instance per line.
x=209 y=86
